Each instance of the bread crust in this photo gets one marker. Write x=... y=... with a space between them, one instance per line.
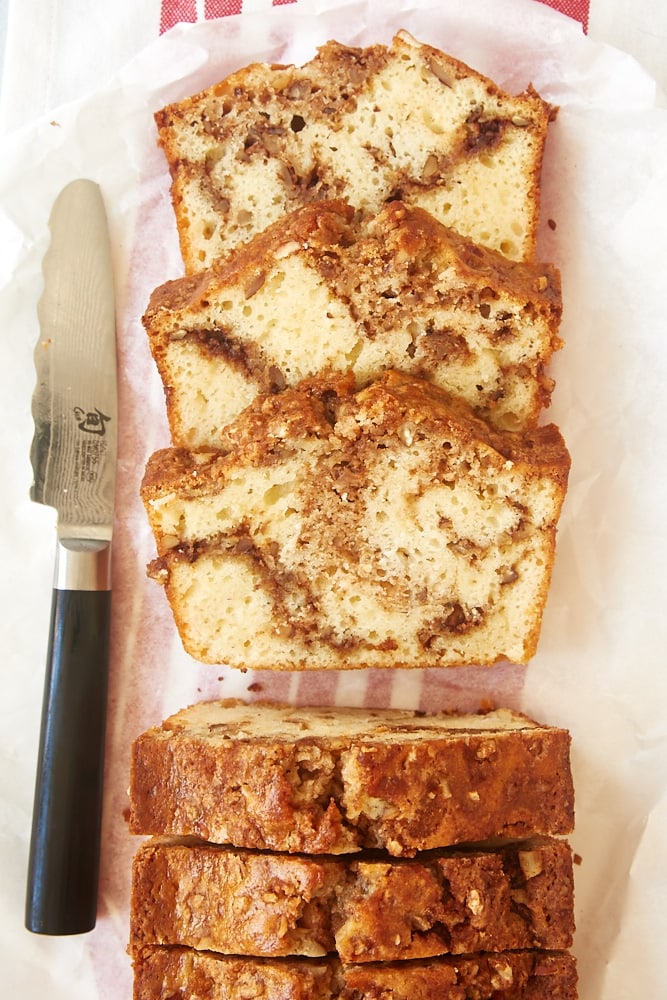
x=261 y=777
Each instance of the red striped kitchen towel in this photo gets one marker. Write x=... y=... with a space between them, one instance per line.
x=174 y=11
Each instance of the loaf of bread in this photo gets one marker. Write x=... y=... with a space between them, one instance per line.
x=367 y=125
x=163 y=973
x=355 y=367
x=321 y=291
x=366 y=909
x=336 y=780
x=387 y=528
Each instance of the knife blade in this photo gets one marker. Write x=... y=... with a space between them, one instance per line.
x=73 y=456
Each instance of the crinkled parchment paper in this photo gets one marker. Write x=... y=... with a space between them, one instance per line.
x=600 y=666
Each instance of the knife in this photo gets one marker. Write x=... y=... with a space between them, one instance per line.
x=73 y=456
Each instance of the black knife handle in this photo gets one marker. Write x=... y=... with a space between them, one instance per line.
x=64 y=855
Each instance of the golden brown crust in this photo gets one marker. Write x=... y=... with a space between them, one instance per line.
x=163 y=973
x=399 y=397
x=517 y=895
x=273 y=425
x=412 y=231
x=405 y=783
x=518 y=975
x=319 y=226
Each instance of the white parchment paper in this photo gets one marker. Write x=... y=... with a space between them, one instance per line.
x=600 y=666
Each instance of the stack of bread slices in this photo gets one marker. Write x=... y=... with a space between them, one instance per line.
x=342 y=854
x=355 y=367
x=358 y=474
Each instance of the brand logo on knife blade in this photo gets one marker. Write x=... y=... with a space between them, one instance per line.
x=91 y=447
x=91 y=421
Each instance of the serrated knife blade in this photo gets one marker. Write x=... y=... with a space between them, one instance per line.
x=74 y=460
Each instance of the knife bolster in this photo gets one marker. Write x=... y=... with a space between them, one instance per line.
x=83 y=565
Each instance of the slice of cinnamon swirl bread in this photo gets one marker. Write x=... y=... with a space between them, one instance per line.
x=163 y=973
x=319 y=290
x=332 y=780
x=368 y=125
x=387 y=527
x=368 y=908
